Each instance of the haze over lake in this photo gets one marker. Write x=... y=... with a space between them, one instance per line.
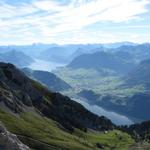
x=39 y=64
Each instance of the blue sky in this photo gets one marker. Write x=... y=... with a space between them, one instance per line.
x=74 y=21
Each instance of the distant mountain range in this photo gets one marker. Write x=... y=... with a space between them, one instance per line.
x=139 y=52
x=119 y=44
x=48 y=79
x=65 y=53
x=105 y=60
x=56 y=54
x=53 y=52
x=73 y=50
x=33 y=49
x=16 y=57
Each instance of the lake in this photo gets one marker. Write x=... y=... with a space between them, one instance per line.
x=39 y=64
x=113 y=116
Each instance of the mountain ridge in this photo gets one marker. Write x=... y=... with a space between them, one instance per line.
x=48 y=79
x=19 y=92
x=17 y=58
x=100 y=60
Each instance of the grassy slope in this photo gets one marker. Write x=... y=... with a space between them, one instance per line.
x=140 y=146
x=41 y=132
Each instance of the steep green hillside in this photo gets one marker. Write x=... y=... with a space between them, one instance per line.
x=51 y=121
x=18 y=92
x=42 y=133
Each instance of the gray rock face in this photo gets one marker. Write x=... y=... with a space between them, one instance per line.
x=9 y=141
x=16 y=90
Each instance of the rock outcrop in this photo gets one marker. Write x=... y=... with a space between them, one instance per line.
x=9 y=141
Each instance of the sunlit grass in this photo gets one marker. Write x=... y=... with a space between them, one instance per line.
x=37 y=131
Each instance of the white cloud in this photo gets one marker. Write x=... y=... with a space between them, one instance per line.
x=47 y=19
x=47 y=5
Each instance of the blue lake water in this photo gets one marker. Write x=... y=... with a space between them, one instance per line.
x=113 y=116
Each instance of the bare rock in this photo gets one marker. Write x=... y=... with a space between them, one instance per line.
x=9 y=141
